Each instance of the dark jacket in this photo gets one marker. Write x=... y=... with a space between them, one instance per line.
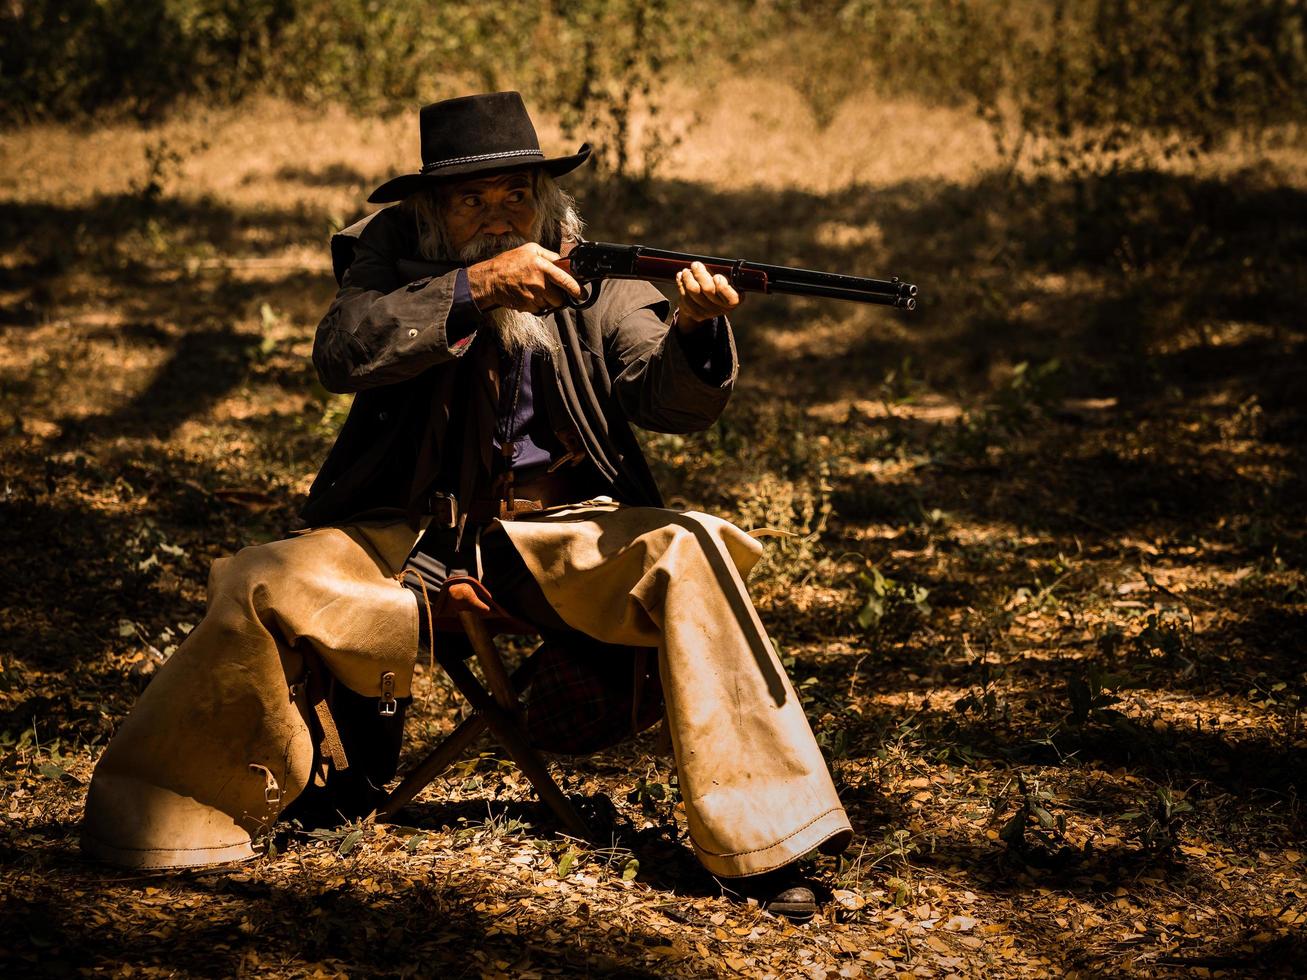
x=385 y=339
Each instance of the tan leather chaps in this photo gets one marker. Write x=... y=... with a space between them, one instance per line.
x=220 y=741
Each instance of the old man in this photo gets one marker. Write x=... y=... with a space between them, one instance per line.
x=483 y=405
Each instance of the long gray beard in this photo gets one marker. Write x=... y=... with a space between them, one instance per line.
x=518 y=332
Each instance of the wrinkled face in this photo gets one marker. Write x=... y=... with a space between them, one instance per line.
x=488 y=215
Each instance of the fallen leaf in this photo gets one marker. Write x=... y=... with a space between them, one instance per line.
x=350 y=842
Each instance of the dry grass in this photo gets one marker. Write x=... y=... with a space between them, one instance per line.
x=752 y=132
x=1122 y=517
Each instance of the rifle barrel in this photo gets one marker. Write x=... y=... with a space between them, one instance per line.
x=604 y=260
x=904 y=302
x=779 y=275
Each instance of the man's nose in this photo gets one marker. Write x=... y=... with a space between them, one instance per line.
x=495 y=221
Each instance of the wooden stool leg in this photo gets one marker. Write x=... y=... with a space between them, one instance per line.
x=454 y=745
x=504 y=726
x=511 y=737
x=493 y=668
x=498 y=709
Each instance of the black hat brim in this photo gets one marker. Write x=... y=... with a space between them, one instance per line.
x=398 y=188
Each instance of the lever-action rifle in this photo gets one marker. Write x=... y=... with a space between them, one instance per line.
x=590 y=262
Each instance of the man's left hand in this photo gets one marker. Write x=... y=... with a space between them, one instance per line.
x=702 y=297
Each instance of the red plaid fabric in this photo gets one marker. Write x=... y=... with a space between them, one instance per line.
x=583 y=694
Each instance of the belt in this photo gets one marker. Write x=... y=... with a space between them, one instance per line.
x=564 y=486
x=532 y=491
x=485 y=511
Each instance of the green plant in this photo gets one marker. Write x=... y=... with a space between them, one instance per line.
x=345 y=838
x=888 y=603
x=1034 y=832
x=1027 y=394
x=1091 y=697
x=1023 y=398
x=1071 y=84
x=902 y=384
x=652 y=796
x=334 y=410
x=1157 y=822
x=1283 y=697
x=983 y=698
x=1164 y=634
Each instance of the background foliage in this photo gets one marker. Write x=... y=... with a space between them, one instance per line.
x=1187 y=69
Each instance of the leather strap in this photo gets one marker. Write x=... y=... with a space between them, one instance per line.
x=318 y=687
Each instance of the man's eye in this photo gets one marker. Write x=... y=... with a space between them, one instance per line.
x=517 y=197
x=471 y=202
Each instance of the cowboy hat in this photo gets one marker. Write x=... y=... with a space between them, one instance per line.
x=475 y=134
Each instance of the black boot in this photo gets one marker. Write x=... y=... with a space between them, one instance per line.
x=372 y=742
x=785 y=892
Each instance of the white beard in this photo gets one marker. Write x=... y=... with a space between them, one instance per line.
x=517 y=331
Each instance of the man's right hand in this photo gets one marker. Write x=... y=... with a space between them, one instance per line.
x=524 y=278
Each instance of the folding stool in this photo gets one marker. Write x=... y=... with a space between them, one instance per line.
x=464 y=609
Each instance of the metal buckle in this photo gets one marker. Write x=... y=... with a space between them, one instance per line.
x=271 y=791
x=509 y=509
x=387 y=706
x=444 y=509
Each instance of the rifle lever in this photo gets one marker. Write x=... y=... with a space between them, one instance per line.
x=591 y=295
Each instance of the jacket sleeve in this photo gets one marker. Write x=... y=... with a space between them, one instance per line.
x=653 y=379
x=379 y=330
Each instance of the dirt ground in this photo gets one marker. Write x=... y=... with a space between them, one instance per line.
x=1045 y=598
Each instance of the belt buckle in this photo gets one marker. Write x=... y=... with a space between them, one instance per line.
x=509 y=509
x=444 y=509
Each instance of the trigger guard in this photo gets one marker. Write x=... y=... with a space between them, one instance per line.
x=586 y=301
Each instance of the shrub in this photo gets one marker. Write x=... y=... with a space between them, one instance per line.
x=1082 y=77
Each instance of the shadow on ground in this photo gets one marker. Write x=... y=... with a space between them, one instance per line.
x=1171 y=302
